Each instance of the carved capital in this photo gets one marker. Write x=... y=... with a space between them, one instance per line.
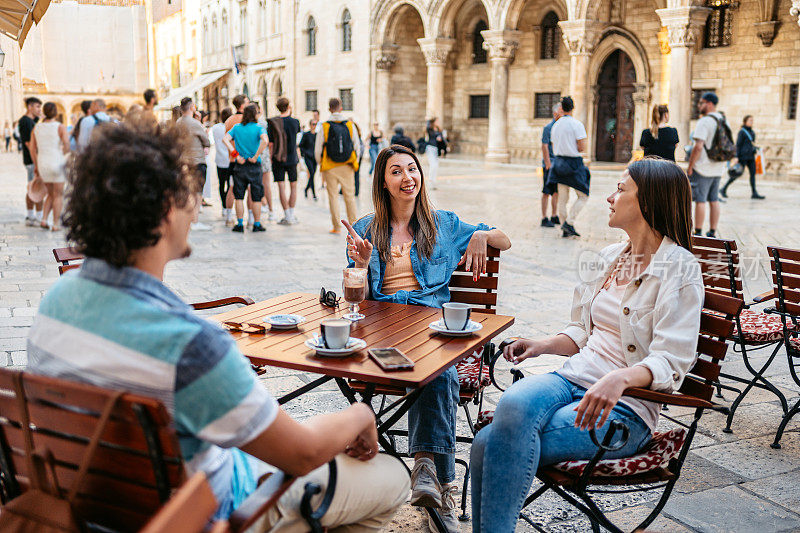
x=501 y=44
x=436 y=50
x=386 y=57
x=767 y=31
x=794 y=11
x=642 y=93
x=663 y=41
x=683 y=24
x=580 y=36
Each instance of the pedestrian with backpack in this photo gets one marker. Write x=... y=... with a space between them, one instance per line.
x=713 y=148
x=335 y=151
x=283 y=131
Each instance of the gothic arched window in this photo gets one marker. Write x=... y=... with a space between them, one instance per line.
x=549 y=46
x=347 y=32
x=311 y=30
x=478 y=53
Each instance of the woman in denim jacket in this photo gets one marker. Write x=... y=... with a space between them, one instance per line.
x=635 y=325
x=410 y=251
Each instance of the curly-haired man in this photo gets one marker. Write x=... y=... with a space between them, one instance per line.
x=115 y=324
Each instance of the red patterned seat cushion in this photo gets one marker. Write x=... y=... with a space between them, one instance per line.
x=658 y=453
x=759 y=327
x=469 y=370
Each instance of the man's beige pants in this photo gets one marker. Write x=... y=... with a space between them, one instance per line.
x=345 y=177
x=367 y=496
x=577 y=206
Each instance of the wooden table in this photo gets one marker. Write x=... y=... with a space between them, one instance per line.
x=404 y=327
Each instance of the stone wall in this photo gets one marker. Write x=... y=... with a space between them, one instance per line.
x=408 y=79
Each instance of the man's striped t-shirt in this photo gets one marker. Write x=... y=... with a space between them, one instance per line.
x=121 y=328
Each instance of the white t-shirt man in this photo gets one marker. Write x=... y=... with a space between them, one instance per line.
x=704 y=131
x=222 y=158
x=564 y=136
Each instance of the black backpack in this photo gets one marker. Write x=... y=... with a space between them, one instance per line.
x=339 y=145
x=722 y=147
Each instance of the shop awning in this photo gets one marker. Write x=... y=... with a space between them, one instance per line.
x=17 y=17
x=174 y=98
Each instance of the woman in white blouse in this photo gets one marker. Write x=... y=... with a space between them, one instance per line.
x=635 y=325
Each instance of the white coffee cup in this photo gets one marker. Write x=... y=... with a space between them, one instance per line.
x=456 y=315
x=335 y=333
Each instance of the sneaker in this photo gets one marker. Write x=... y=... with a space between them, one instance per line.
x=199 y=226
x=285 y=222
x=547 y=223
x=230 y=220
x=555 y=220
x=258 y=227
x=711 y=233
x=698 y=232
x=271 y=217
x=293 y=220
x=568 y=231
x=30 y=221
x=425 y=488
x=448 y=511
x=238 y=228
x=250 y=223
x=756 y=196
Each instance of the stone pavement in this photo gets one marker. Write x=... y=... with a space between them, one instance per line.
x=731 y=482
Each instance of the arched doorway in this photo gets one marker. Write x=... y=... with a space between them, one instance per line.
x=616 y=84
x=408 y=89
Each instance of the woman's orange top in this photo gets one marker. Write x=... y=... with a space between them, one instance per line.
x=399 y=275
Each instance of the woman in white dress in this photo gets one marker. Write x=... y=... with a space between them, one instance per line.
x=49 y=149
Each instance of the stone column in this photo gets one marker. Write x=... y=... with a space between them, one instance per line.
x=435 y=52
x=501 y=45
x=683 y=25
x=794 y=11
x=580 y=37
x=384 y=61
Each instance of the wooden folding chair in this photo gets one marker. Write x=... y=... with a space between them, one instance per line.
x=755 y=329
x=785 y=264
x=136 y=466
x=69 y=259
x=658 y=466
x=189 y=510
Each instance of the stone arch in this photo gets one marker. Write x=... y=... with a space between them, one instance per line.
x=116 y=109
x=383 y=19
x=616 y=38
x=445 y=14
x=514 y=9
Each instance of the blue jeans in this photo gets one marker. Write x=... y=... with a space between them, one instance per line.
x=533 y=425
x=374 y=149
x=432 y=423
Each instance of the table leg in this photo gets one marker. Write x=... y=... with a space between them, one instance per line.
x=304 y=389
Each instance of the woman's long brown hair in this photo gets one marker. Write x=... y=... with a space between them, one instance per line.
x=665 y=198
x=658 y=114
x=423 y=221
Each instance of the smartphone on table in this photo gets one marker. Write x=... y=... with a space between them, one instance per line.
x=390 y=359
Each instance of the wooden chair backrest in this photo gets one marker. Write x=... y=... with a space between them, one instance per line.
x=719 y=262
x=136 y=465
x=716 y=325
x=481 y=294
x=68 y=258
x=785 y=264
x=188 y=511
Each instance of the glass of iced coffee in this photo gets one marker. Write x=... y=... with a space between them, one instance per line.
x=354 y=285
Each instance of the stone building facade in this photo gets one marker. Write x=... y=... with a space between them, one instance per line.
x=11 y=107
x=491 y=69
x=107 y=57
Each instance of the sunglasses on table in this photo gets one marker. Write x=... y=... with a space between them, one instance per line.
x=328 y=298
x=245 y=327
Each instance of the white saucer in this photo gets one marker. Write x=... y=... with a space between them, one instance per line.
x=439 y=327
x=285 y=321
x=353 y=345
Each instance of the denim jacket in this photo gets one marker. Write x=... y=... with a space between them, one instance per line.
x=659 y=315
x=433 y=276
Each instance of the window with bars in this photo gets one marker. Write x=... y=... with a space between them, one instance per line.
x=543 y=104
x=346 y=96
x=791 y=113
x=479 y=106
x=311 y=100
x=549 y=45
x=718 y=25
x=696 y=94
x=347 y=32
x=311 y=31
x=478 y=53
